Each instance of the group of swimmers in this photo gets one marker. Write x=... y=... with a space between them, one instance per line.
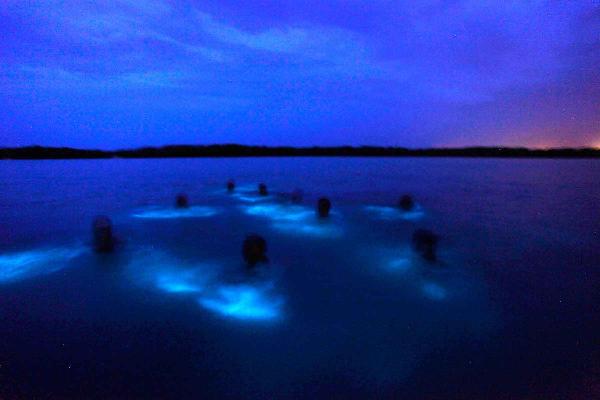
x=254 y=247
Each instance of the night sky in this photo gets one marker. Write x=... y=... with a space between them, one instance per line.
x=114 y=74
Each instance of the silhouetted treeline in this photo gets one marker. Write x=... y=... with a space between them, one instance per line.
x=234 y=150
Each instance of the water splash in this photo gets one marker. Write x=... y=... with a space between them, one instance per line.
x=171 y=213
x=25 y=264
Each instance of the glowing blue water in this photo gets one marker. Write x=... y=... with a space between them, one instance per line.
x=400 y=264
x=295 y=219
x=434 y=291
x=170 y=274
x=509 y=311
x=280 y=212
x=26 y=264
x=170 y=213
x=394 y=213
x=244 y=302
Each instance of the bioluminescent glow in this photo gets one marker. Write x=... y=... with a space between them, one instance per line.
x=294 y=219
x=279 y=212
x=169 y=274
x=179 y=282
x=244 y=302
x=309 y=229
x=247 y=194
x=434 y=291
x=248 y=198
x=400 y=264
x=393 y=213
x=22 y=265
x=171 y=213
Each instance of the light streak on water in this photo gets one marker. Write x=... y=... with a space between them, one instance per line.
x=21 y=265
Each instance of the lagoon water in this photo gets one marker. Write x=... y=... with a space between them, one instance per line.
x=344 y=309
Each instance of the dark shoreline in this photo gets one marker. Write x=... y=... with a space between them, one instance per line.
x=233 y=150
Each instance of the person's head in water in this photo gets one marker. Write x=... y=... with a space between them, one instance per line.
x=181 y=201
x=262 y=189
x=104 y=241
x=406 y=203
x=323 y=207
x=254 y=250
x=230 y=185
x=425 y=243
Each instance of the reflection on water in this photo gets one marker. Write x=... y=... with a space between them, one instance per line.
x=26 y=264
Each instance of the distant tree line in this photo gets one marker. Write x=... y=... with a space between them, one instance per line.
x=235 y=150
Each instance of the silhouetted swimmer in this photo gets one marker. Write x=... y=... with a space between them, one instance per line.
x=262 y=189
x=230 y=185
x=181 y=201
x=425 y=243
x=254 y=250
x=104 y=241
x=323 y=207
x=406 y=203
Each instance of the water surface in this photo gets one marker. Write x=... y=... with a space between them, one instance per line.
x=344 y=308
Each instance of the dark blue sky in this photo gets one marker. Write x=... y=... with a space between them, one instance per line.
x=128 y=73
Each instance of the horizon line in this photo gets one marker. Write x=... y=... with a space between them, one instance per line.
x=240 y=150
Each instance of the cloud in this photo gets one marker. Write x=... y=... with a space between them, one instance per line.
x=319 y=43
x=444 y=70
x=128 y=24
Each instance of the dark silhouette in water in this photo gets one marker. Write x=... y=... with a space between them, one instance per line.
x=323 y=207
x=104 y=241
x=406 y=203
x=254 y=250
x=181 y=201
x=235 y=150
x=230 y=185
x=425 y=243
x=262 y=189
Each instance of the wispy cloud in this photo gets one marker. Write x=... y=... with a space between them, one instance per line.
x=315 y=42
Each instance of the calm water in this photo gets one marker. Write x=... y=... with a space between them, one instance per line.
x=344 y=309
